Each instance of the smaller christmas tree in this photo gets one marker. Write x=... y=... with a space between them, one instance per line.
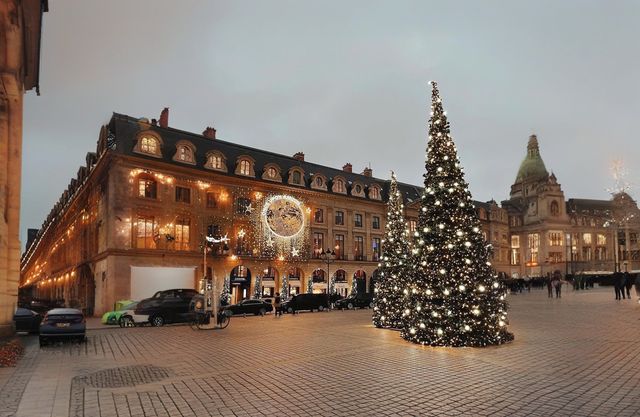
x=332 y=284
x=354 y=288
x=389 y=299
x=257 y=290
x=310 y=286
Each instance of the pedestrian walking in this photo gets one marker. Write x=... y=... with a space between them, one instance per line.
x=549 y=286
x=557 y=284
x=628 y=283
x=638 y=286
x=618 y=285
x=277 y=305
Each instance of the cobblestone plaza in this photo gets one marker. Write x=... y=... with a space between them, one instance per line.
x=572 y=356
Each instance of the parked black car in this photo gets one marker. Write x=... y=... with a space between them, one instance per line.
x=364 y=300
x=26 y=320
x=168 y=306
x=306 y=302
x=250 y=307
x=63 y=323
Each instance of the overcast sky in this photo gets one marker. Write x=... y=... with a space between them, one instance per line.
x=346 y=81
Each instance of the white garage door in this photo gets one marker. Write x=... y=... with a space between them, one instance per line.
x=145 y=281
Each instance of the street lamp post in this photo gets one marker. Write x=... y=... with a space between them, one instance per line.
x=329 y=257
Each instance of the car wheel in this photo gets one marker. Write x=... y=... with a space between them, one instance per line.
x=320 y=308
x=126 y=321
x=262 y=311
x=290 y=310
x=157 y=321
x=350 y=306
x=371 y=304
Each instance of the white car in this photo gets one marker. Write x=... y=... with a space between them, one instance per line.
x=129 y=318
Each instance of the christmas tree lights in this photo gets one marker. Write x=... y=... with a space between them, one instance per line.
x=454 y=297
x=388 y=299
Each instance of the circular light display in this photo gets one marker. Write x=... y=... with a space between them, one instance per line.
x=283 y=216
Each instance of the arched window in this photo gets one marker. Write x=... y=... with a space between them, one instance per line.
x=216 y=160
x=272 y=172
x=149 y=144
x=357 y=190
x=296 y=177
x=338 y=186
x=319 y=181
x=555 y=208
x=245 y=167
x=185 y=154
x=374 y=192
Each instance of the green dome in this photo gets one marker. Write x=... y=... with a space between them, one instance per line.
x=532 y=166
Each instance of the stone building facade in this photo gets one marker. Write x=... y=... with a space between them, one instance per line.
x=549 y=233
x=20 y=28
x=137 y=216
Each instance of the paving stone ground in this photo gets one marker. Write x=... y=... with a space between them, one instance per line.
x=579 y=355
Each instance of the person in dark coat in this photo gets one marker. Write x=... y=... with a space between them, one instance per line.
x=618 y=285
x=638 y=286
x=628 y=283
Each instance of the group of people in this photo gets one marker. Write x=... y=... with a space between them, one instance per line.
x=622 y=283
x=555 y=281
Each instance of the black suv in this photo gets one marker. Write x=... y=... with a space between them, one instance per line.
x=306 y=302
x=168 y=306
x=364 y=300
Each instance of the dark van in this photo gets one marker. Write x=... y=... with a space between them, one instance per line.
x=306 y=302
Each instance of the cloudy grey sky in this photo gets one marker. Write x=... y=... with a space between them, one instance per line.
x=346 y=81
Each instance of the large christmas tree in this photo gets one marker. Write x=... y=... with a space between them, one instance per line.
x=454 y=298
x=389 y=298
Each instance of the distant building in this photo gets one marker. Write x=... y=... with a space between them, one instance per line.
x=548 y=233
x=137 y=214
x=20 y=30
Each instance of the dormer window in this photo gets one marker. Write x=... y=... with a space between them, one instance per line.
x=296 y=176
x=149 y=144
x=185 y=152
x=319 y=182
x=216 y=161
x=245 y=166
x=357 y=190
x=374 y=192
x=339 y=186
x=271 y=173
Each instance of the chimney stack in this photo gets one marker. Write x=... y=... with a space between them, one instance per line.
x=164 y=117
x=209 y=132
x=367 y=172
x=299 y=156
x=347 y=167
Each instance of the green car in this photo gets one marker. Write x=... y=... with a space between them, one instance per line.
x=112 y=317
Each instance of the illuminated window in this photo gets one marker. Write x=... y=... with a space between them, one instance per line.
x=555 y=257
x=185 y=154
x=146 y=233
x=149 y=145
x=147 y=188
x=556 y=238
x=586 y=238
x=245 y=167
x=533 y=240
x=182 y=234
x=318 y=215
x=358 y=248
x=413 y=225
x=215 y=162
x=601 y=239
x=339 y=247
x=375 y=246
x=318 y=244
x=374 y=193
x=272 y=172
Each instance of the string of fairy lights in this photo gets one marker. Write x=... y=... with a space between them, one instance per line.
x=438 y=286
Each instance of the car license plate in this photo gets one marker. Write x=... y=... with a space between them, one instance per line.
x=62 y=324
